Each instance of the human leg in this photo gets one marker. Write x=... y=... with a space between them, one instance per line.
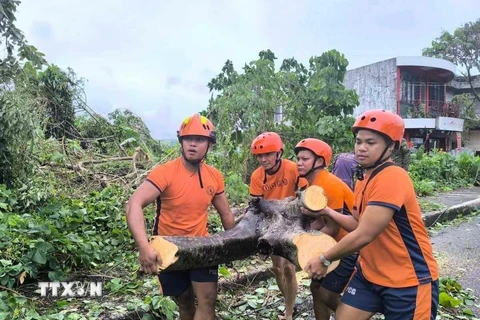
x=360 y=299
x=177 y=285
x=326 y=292
x=286 y=278
x=204 y=282
x=321 y=310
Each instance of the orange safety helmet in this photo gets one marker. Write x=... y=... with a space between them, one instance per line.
x=197 y=125
x=266 y=142
x=318 y=147
x=384 y=122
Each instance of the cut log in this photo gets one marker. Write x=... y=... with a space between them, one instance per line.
x=182 y=253
x=314 y=198
x=268 y=227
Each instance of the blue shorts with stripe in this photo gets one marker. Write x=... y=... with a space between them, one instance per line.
x=174 y=283
x=336 y=280
x=417 y=303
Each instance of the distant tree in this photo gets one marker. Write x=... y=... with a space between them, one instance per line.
x=13 y=40
x=296 y=101
x=59 y=89
x=19 y=120
x=463 y=49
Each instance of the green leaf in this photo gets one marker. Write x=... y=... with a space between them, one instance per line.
x=224 y=272
x=62 y=303
x=468 y=312
x=40 y=257
x=469 y=302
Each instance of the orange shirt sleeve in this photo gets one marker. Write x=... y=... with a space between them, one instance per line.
x=389 y=189
x=256 y=184
x=159 y=178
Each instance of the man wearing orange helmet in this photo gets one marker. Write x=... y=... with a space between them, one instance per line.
x=276 y=178
x=313 y=155
x=183 y=189
x=397 y=273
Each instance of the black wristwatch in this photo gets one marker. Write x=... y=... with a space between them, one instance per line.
x=325 y=261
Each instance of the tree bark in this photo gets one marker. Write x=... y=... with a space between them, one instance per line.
x=269 y=227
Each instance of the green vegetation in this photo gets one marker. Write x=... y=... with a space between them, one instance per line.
x=440 y=171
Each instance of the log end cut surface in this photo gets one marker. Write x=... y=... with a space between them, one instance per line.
x=314 y=198
x=166 y=250
x=313 y=245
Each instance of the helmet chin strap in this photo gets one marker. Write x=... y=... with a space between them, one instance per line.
x=196 y=163
x=313 y=167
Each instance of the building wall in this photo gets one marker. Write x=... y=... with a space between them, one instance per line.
x=472 y=140
x=375 y=85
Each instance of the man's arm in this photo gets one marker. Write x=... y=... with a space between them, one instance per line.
x=220 y=203
x=143 y=196
x=374 y=220
x=331 y=228
x=346 y=221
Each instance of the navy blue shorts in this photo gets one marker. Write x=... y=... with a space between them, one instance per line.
x=418 y=302
x=175 y=283
x=336 y=280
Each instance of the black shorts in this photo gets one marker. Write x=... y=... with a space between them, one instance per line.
x=337 y=280
x=417 y=302
x=175 y=283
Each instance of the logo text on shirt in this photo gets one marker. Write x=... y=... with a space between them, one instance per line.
x=276 y=184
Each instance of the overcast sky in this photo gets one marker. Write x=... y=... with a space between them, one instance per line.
x=156 y=57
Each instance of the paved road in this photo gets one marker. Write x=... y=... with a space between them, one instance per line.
x=448 y=199
x=459 y=254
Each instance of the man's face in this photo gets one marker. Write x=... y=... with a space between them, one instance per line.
x=195 y=147
x=369 y=146
x=267 y=160
x=306 y=160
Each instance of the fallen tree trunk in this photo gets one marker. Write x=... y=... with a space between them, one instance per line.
x=269 y=227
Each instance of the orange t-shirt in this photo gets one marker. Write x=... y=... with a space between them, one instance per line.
x=279 y=185
x=185 y=197
x=401 y=256
x=338 y=193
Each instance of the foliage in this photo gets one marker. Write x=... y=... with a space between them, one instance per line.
x=462 y=47
x=51 y=235
x=440 y=171
x=468 y=110
x=16 y=45
x=131 y=129
x=20 y=120
x=295 y=101
x=62 y=235
x=59 y=89
x=455 y=300
x=237 y=190
x=121 y=129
